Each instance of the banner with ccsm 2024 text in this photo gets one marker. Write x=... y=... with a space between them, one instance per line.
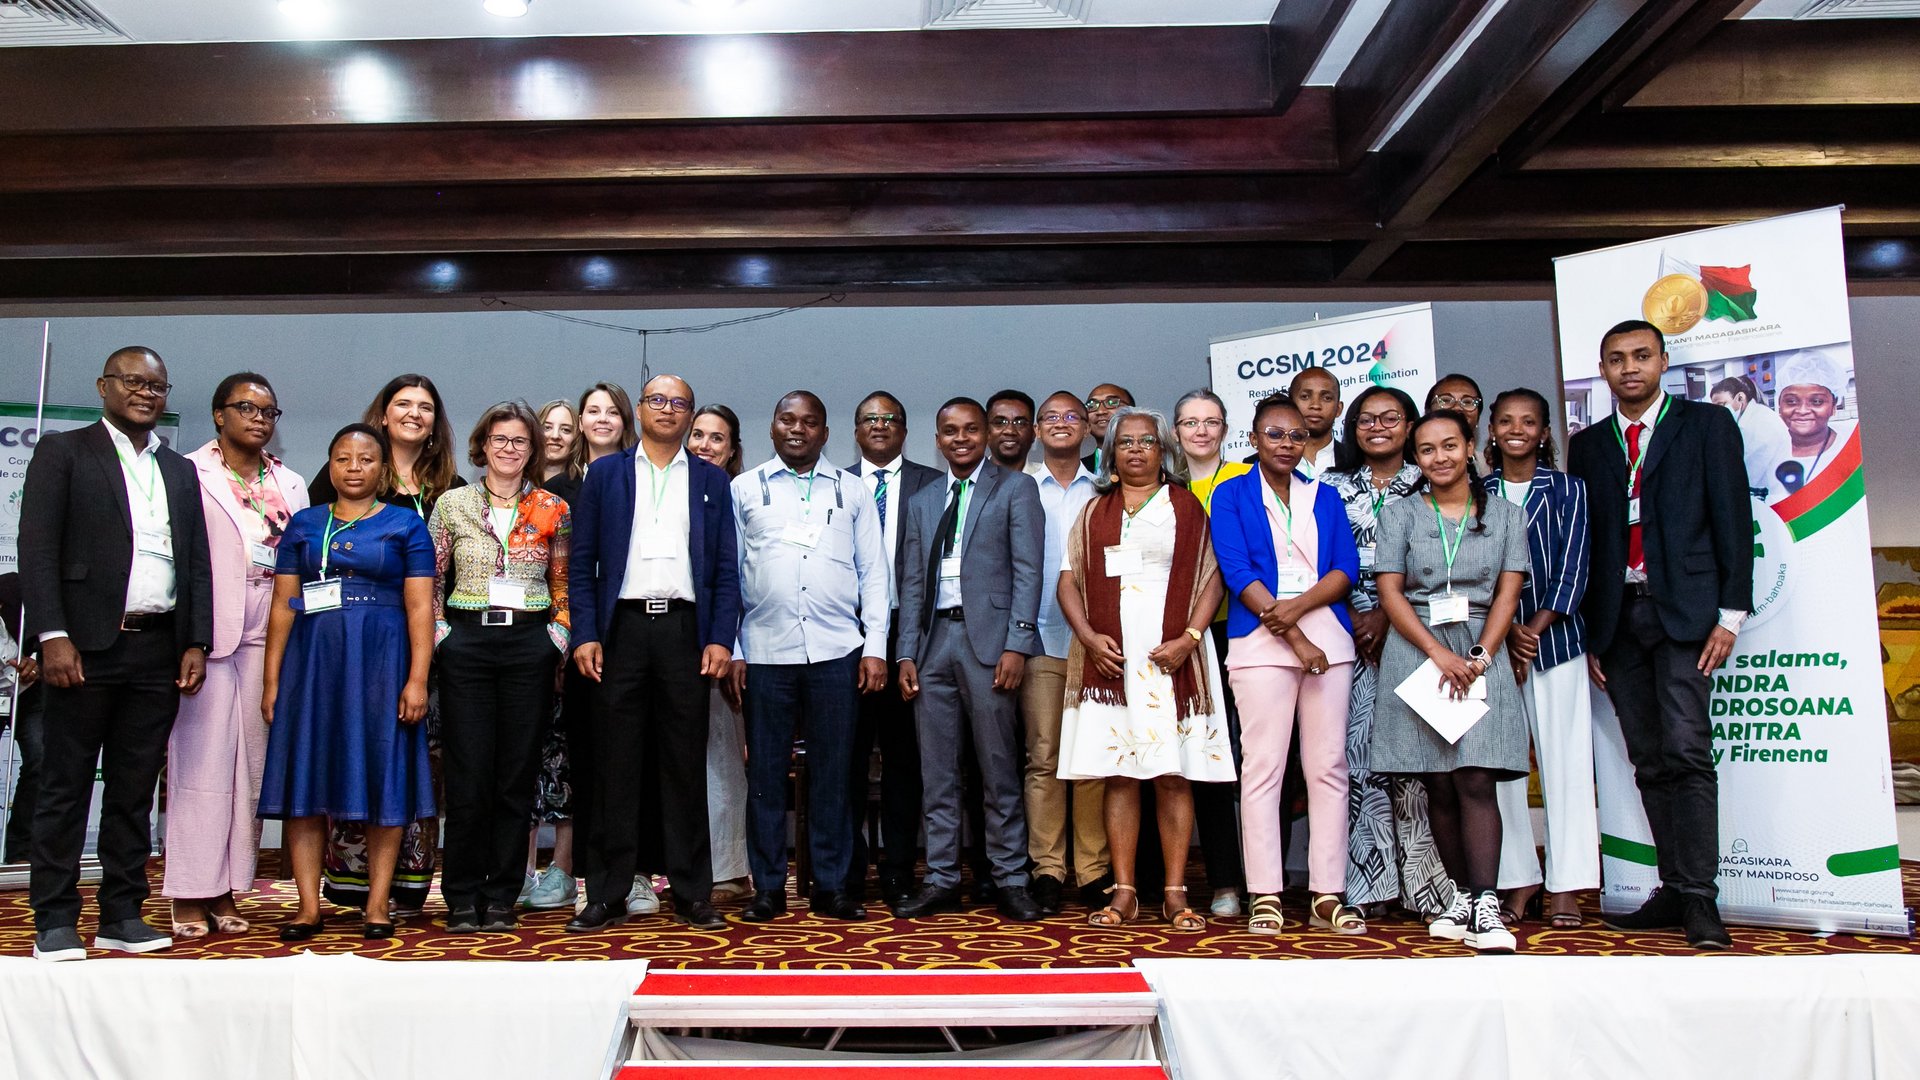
x=1755 y=317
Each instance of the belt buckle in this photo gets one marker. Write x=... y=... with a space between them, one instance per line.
x=496 y=617
x=124 y=625
x=656 y=607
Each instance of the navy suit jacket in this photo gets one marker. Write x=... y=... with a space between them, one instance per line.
x=603 y=530
x=1557 y=537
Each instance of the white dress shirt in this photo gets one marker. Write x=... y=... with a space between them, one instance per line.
x=896 y=509
x=659 y=562
x=947 y=593
x=1729 y=618
x=1062 y=506
x=1321 y=461
x=150 y=584
x=812 y=563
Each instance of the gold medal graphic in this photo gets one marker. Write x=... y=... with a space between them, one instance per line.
x=1675 y=303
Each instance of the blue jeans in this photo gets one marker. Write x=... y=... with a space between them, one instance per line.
x=821 y=701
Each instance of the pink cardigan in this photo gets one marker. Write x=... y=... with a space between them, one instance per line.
x=229 y=550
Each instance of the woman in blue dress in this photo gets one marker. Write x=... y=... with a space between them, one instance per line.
x=348 y=648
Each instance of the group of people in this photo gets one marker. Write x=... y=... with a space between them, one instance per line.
x=621 y=629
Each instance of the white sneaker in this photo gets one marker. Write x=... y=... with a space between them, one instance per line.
x=642 y=901
x=1453 y=924
x=554 y=890
x=1487 y=933
x=1226 y=903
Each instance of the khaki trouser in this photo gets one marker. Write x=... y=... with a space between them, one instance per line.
x=1042 y=700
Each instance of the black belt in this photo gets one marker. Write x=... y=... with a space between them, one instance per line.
x=656 y=607
x=954 y=613
x=146 y=620
x=495 y=616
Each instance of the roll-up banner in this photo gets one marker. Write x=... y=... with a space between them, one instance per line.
x=1390 y=347
x=1755 y=317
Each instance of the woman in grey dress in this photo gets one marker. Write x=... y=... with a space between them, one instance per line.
x=1450 y=566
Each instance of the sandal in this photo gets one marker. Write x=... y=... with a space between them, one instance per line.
x=1518 y=905
x=1184 y=919
x=1328 y=913
x=1111 y=916
x=1566 y=920
x=190 y=929
x=229 y=921
x=1264 y=916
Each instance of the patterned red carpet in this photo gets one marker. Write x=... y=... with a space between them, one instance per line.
x=975 y=937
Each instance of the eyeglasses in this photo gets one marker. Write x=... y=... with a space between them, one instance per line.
x=1061 y=418
x=1381 y=420
x=1002 y=423
x=1142 y=442
x=509 y=442
x=248 y=410
x=140 y=384
x=1450 y=401
x=879 y=419
x=663 y=403
x=1194 y=423
x=1291 y=435
x=1095 y=404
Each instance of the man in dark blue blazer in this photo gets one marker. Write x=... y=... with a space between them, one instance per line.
x=655 y=592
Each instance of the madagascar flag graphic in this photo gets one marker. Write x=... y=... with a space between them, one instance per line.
x=1828 y=494
x=1730 y=293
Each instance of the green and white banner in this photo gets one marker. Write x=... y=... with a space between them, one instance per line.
x=1756 y=320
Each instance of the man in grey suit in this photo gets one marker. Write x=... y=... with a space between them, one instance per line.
x=969 y=613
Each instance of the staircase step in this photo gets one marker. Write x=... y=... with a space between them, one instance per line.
x=1096 y=997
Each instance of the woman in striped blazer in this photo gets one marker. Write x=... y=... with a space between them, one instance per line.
x=1546 y=645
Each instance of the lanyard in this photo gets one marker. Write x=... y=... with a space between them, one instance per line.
x=254 y=498
x=657 y=491
x=153 y=471
x=1126 y=524
x=1634 y=464
x=1452 y=550
x=960 y=513
x=1286 y=514
x=507 y=536
x=326 y=542
x=1507 y=489
x=806 y=494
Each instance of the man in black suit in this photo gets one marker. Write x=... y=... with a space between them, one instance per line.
x=880 y=430
x=1671 y=584
x=119 y=597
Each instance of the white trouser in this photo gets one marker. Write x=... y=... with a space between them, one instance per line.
x=1560 y=717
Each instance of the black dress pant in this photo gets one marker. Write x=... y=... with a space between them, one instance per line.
x=1660 y=697
x=118 y=719
x=888 y=721
x=652 y=707
x=496 y=687
x=577 y=718
x=27 y=727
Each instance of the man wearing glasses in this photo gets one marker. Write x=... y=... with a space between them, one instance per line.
x=880 y=430
x=118 y=586
x=656 y=608
x=1102 y=401
x=1010 y=429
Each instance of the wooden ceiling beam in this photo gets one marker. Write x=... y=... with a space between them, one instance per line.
x=1734 y=139
x=1759 y=63
x=1408 y=43
x=1296 y=35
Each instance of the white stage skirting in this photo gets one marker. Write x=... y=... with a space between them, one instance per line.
x=1531 y=1018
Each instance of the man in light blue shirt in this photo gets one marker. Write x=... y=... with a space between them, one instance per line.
x=812 y=560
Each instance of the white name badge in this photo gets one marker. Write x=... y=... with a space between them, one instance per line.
x=1366 y=556
x=1294 y=580
x=658 y=542
x=1123 y=559
x=263 y=556
x=322 y=595
x=1447 y=608
x=154 y=542
x=1633 y=510
x=806 y=536
x=503 y=593
x=950 y=566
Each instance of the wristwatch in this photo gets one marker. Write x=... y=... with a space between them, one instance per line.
x=1192 y=633
x=1479 y=653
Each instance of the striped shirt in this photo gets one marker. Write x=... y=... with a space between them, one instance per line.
x=1556 y=509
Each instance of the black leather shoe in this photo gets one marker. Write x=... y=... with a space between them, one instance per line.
x=984 y=891
x=895 y=891
x=1017 y=904
x=499 y=921
x=1094 y=893
x=1662 y=911
x=929 y=900
x=300 y=931
x=837 y=905
x=376 y=931
x=463 y=921
x=1700 y=917
x=700 y=915
x=766 y=906
x=1046 y=893
x=596 y=917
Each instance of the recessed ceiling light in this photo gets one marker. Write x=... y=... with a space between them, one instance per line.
x=507 y=9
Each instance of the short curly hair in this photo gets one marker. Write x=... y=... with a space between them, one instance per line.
x=534 y=469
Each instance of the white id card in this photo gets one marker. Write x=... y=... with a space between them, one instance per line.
x=263 y=556
x=1633 y=510
x=504 y=593
x=658 y=542
x=1447 y=608
x=1294 y=580
x=1366 y=556
x=806 y=536
x=154 y=542
x=322 y=595
x=950 y=566
x=1123 y=559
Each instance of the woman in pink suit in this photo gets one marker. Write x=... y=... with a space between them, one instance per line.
x=219 y=739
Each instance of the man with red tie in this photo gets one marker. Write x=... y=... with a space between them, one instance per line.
x=1670 y=583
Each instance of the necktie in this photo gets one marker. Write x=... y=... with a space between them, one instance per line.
x=1636 y=554
x=880 y=495
x=945 y=529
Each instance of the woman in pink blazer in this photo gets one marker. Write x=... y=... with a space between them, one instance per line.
x=219 y=740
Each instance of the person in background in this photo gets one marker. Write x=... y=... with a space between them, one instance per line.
x=1101 y=402
x=1315 y=391
x=118 y=588
x=1390 y=850
x=1763 y=435
x=1053 y=805
x=1545 y=646
x=656 y=604
x=1010 y=429
x=219 y=740
x=715 y=439
x=886 y=718
x=1669 y=585
x=553 y=801
x=500 y=549
x=559 y=434
x=421 y=466
x=349 y=644
x=1459 y=393
x=1200 y=425
x=984 y=545
x=1450 y=566
x=1812 y=386
x=1140 y=588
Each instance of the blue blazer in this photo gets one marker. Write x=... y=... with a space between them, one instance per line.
x=1243 y=543
x=603 y=530
x=1557 y=553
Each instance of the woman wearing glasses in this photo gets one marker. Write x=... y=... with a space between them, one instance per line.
x=219 y=741
x=1143 y=699
x=1461 y=395
x=1289 y=561
x=500 y=548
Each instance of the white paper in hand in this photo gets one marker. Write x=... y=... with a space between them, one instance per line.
x=1423 y=694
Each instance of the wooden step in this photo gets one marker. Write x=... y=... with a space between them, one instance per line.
x=907 y=1069
x=1089 y=997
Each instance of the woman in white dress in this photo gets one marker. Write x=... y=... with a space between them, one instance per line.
x=1144 y=701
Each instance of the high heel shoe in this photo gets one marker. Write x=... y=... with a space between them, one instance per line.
x=300 y=931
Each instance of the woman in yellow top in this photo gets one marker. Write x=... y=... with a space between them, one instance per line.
x=500 y=548
x=1200 y=424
